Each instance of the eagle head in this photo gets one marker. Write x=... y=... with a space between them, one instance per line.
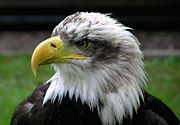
x=98 y=61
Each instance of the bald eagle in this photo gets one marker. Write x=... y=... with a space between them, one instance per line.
x=99 y=79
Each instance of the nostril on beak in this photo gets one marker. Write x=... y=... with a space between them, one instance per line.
x=53 y=45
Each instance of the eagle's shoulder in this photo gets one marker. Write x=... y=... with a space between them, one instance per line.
x=32 y=111
x=29 y=106
x=152 y=111
x=159 y=110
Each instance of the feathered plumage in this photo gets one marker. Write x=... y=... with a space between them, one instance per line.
x=99 y=78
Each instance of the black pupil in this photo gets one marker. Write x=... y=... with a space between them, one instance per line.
x=82 y=44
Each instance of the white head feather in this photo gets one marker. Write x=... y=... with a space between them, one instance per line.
x=122 y=94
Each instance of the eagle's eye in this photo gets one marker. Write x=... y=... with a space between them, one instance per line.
x=83 y=44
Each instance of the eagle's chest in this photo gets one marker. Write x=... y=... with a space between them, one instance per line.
x=70 y=112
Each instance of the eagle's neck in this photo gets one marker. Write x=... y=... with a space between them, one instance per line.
x=114 y=91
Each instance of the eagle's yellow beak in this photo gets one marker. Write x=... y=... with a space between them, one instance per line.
x=51 y=51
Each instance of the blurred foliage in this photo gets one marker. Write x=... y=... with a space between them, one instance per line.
x=17 y=82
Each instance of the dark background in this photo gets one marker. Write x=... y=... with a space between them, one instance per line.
x=45 y=14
